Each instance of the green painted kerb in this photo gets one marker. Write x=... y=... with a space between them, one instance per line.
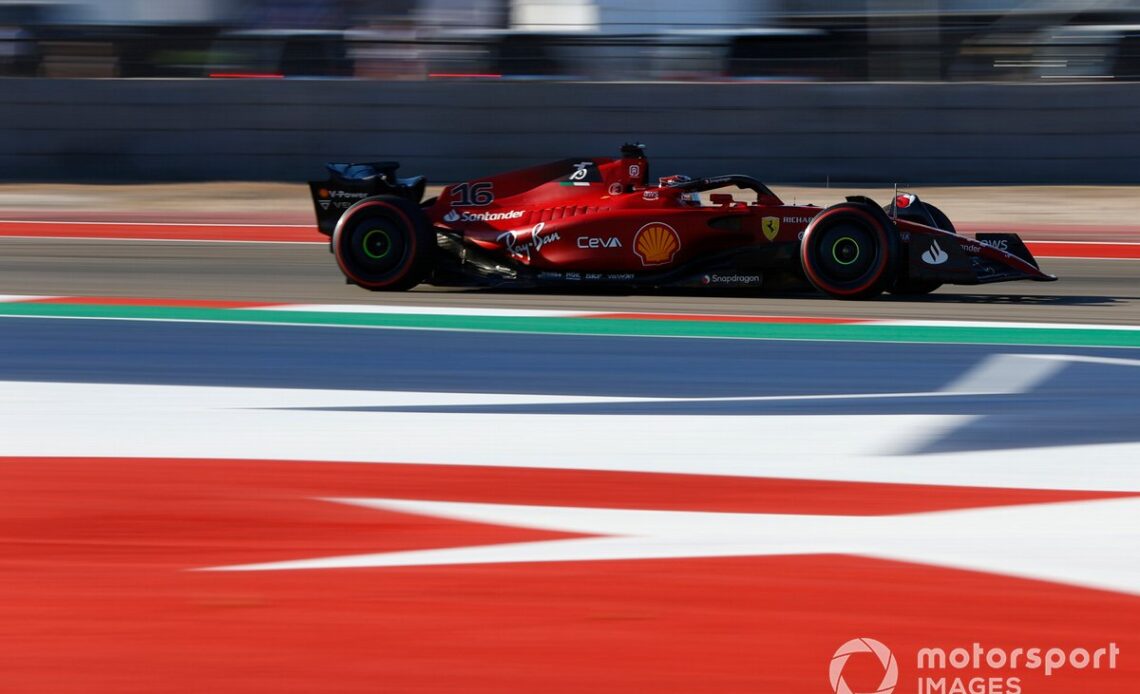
x=870 y=332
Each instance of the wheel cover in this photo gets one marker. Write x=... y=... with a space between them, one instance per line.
x=849 y=253
x=377 y=247
x=845 y=250
x=377 y=244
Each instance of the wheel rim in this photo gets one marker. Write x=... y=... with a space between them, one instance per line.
x=845 y=250
x=848 y=252
x=377 y=246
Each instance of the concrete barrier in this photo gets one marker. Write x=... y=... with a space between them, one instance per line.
x=918 y=134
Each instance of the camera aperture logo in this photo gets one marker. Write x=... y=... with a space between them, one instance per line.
x=864 y=645
x=976 y=669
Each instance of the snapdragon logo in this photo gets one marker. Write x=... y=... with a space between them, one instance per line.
x=864 y=645
x=730 y=279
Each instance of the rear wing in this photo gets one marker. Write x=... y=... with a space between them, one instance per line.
x=350 y=183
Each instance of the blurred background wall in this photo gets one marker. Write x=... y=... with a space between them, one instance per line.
x=852 y=90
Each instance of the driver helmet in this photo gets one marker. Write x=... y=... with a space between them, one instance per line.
x=690 y=198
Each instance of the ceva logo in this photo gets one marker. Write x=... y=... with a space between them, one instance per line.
x=598 y=242
x=864 y=645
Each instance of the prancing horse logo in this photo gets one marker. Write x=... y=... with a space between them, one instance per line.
x=771 y=226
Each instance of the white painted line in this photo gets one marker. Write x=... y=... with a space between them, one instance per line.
x=1006 y=373
x=379 y=309
x=417 y=310
x=636 y=315
x=1085 y=543
x=1082 y=359
x=1001 y=324
x=540 y=313
x=894 y=340
x=137 y=421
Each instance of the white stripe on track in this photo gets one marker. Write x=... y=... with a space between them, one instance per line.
x=999 y=324
x=117 y=421
x=419 y=310
x=398 y=309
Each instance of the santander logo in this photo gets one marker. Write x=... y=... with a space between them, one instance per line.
x=453 y=216
x=935 y=255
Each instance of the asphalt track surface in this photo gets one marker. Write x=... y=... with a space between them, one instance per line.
x=1089 y=290
x=210 y=506
x=1083 y=403
x=525 y=512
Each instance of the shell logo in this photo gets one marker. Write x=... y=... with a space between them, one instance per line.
x=656 y=243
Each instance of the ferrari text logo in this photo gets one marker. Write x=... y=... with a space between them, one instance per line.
x=771 y=226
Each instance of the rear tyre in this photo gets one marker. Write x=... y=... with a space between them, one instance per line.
x=384 y=243
x=906 y=286
x=850 y=251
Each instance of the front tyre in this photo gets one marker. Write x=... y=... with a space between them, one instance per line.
x=384 y=243
x=907 y=286
x=850 y=251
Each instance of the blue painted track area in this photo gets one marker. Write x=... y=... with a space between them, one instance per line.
x=1087 y=395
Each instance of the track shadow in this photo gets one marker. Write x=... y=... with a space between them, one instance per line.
x=941 y=297
x=1004 y=299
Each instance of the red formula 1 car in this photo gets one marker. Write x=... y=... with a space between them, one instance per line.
x=599 y=221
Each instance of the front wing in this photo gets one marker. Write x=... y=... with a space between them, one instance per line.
x=933 y=255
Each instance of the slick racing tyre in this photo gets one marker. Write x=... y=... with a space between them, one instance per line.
x=906 y=286
x=850 y=251
x=384 y=243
